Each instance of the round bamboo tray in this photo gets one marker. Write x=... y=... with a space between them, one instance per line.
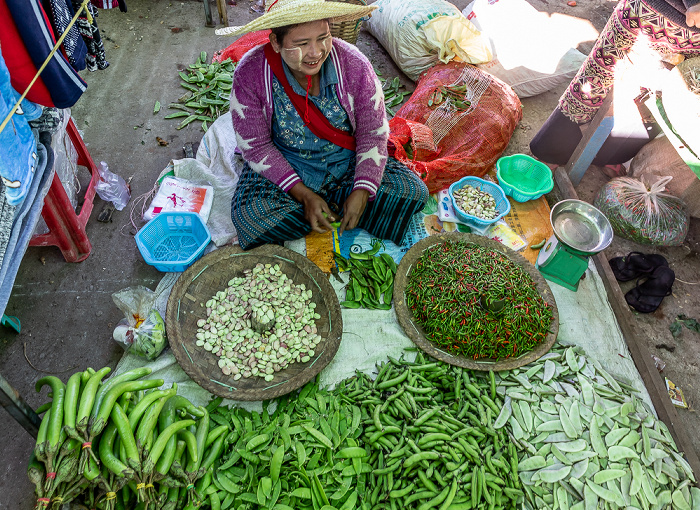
x=212 y=273
x=415 y=331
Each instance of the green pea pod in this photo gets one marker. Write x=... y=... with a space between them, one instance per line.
x=351 y=304
x=176 y=115
x=215 y=433
x=187 y=121
x=538 y=245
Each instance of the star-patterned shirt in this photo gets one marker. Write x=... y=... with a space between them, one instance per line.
x=311 y=157
x=256 y=108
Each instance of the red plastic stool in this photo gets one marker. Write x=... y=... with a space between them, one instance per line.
x=67 y=229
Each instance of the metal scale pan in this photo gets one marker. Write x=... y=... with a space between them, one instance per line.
x=580 y=230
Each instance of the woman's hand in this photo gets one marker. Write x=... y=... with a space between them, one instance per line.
x=314 y=208
x=352 y=209
x=692 y=16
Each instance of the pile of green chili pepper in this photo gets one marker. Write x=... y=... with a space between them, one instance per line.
x=371 y=283
x=476 y=302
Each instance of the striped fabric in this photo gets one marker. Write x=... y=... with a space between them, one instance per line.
x=263 y=213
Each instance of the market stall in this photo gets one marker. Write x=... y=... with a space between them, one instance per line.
x=375 y=404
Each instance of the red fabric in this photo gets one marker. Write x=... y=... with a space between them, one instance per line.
x=471 y=147
x=313 y=118
x=242 y=45
x=18 y=60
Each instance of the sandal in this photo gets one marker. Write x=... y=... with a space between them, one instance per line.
x=635 y=264
x=646 y=297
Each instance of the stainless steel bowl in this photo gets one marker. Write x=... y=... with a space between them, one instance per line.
x=581 y=226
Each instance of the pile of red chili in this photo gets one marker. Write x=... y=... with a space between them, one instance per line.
x=445 y=289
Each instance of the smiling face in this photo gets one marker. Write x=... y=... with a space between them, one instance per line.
x=305 y=47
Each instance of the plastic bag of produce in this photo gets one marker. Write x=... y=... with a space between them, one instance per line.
x=642 y=213
x=142 y=331
x=420 y=33
x=458 y=122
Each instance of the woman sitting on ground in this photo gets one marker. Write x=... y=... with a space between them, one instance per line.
x=308 y=112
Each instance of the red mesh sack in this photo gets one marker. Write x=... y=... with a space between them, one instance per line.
x=241 y=46
x=444 y=137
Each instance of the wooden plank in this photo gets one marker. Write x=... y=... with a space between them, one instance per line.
x=18 y=408
x=223 y=14
x=641 y=356
x=593 y=139
x=208 y=21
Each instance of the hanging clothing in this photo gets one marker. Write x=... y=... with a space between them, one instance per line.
x=60 y=14
x=18 y=151
x=110 y=4
x=26 y=39
x=96 y=58
x=25 y=217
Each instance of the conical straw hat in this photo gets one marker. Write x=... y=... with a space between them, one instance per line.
x=281 y=13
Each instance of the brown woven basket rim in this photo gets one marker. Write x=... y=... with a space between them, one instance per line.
x=347 y=30
x=415 y=332
x=183 y=306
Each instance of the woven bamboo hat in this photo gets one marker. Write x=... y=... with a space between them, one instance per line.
x=281 y=13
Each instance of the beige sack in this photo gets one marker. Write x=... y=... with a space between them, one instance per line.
x=659 y=158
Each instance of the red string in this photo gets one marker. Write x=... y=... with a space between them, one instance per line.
x=308 y=87
x=273 y=3
x=51 y=476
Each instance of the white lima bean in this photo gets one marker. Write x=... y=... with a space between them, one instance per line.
x=260 y=324
x=476 y=202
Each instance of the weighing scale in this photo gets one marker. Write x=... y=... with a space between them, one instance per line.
x=580 y=230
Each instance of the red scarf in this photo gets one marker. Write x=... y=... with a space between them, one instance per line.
x=309 y=112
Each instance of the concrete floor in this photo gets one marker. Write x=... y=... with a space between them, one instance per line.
x=66 y=309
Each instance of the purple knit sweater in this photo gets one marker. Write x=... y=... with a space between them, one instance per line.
x=359 y=91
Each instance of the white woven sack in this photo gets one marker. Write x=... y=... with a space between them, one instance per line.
x=420 y=33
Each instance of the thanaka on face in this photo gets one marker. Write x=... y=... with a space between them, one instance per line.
x=305 y=48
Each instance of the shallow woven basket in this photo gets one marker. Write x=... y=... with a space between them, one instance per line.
x=211 y=274
x=415 y=332
x=347 y=30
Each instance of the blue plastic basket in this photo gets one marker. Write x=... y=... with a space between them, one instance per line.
x=173 y=241
x=502 y=204
x=523 y=177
